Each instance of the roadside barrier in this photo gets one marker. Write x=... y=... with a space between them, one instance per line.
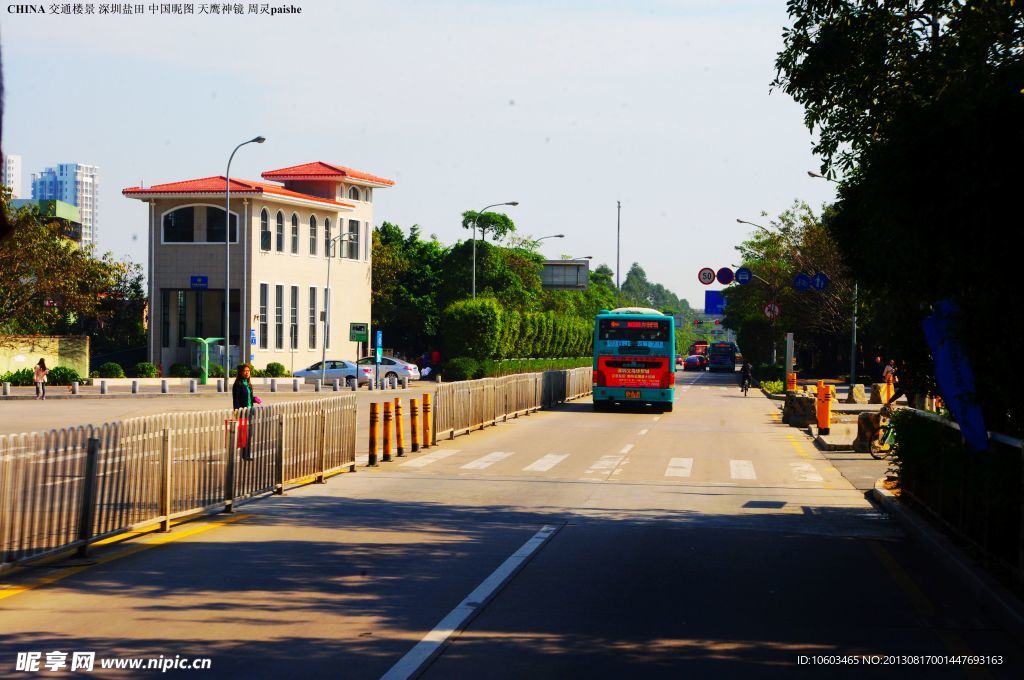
x=826 y=393
x=428 y=417
x=386 y=457
x=791 y=382
x=399 y=429
x=414 y=424
x=889 y=391
x=55 y=495
x=374 y=417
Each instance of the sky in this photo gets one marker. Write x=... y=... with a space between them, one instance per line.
x=566 y=107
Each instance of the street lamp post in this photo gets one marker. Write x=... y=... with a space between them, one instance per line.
x=227 y=258
x=551 y=236
x=340 y=238
x=476 y=221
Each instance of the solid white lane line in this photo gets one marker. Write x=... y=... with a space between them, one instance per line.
x=546 y=463
x=805 y=472
x=679 y=467
x=487 y=461
x=742 y=469
x=605 y=463
x=417 y=657
x=427 y=459
x=626 y=449
x=643 y=432
x=657 y=418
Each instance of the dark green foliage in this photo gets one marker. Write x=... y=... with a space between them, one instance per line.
x=276 y=370
x=215 y=371
x=472 y=328
x=62 y=375
x=769 y=372
x=180 y=371
x=146 y=369
x=111 y=369
x=466 y=368
x=20 y=378
x=461 y=368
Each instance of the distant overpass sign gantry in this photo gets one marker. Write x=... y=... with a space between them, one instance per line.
x=565 y=275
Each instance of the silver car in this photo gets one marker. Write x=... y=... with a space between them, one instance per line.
x=391 y=367
x=337 y=369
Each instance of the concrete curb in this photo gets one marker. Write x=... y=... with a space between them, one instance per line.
x=773 y=397
x=993 y=596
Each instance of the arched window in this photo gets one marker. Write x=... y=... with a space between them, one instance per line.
x=313 y=235
x=264 y=230
x=280 y=231
x=353 y=193
x=295 y=234
x=327 y=237
x=179 y=226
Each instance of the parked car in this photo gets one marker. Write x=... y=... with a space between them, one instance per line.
x=694 y=362
x=391 y=367
x=337 y=369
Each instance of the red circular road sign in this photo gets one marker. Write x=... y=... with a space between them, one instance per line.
x=771 y=310
x=706 y=276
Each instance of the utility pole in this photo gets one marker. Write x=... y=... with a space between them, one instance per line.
x=618 y=244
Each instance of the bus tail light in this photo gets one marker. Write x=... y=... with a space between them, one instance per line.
x=599 y=380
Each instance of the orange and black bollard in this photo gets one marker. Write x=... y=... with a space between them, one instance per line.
x=386 y=457
x=791 y=382
x=888 y=388
x=399 y=429
x=825 y=393
x=414 y=423
x=427 y=441
x=374 y=419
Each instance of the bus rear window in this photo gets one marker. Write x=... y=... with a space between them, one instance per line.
x=633 y=330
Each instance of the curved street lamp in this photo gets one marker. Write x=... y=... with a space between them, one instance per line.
x=538 y=240
x=476 y=221
x=340 y=238
x=227 y=261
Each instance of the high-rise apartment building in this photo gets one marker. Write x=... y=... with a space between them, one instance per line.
x=76 y=184
x=10 y=174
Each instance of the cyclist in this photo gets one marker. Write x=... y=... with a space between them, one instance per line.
x=746 y=375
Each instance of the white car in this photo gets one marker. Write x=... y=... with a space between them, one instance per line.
x=391 y=367
x=337 y=369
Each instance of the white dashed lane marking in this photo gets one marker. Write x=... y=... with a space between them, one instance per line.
x=429 y=458
x=604 y=464
x=805 y=472
x=487 y=461
x=546 y=463
x=626 y=449
x=679 y=467
x=742 y=469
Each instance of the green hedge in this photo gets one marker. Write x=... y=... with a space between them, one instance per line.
x=772 y=386
x=146 y=369
x=483 y=330
x=111 y=369
x=58 y=375
x=468 y=368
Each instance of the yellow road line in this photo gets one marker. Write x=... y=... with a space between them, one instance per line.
x=10 y=590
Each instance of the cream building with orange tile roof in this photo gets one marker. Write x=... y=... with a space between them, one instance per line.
x=278 y=264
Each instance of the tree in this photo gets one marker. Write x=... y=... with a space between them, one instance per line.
x=499 y=224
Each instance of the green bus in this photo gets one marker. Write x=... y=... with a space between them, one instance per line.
x=634 y=358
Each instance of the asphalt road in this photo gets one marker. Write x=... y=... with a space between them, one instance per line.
x=707 y=542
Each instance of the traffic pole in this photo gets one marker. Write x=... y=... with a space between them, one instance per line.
x=427 y=440
x=414 y=423
x=374 y=418
x=386 y=458
x=399 y=429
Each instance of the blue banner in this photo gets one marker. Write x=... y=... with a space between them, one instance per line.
x=714 y=302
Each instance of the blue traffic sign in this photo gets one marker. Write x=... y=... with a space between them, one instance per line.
x=724 y=276
x=744 y=276
x=819 y=281
x=802 y=282
x=379 y=353
x=199 y=282
x=252 y=336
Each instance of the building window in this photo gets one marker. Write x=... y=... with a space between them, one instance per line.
x=367 y=195
x=312 y=317
x=295 y=234
x=199 y=314
x=327 y=237
x=353 y=193
x=179 y=226
x=264 y=301
x=215 y=225
x=264 y=230
x=280 y=231
x=181 y=319
x=313 y=235
x=165 y=317
x=279 y=317
x=353 y=239
x=293 y=319
x=327 y=316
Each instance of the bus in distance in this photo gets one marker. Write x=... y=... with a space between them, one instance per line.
x=634 y=358
x=722 y=356
x=698 y=347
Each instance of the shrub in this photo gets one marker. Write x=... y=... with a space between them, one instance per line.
x=94 y=374
x=146 y=369
x=769 y=372
x=473 y=328
x=215 y=371
x=772 y=386
x=180 y=371
x=461 y=368
x=111 y=369
x=62 y=375
x=276 y=370
x=20 y=378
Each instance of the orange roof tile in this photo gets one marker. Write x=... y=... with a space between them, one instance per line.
x=321 y=170
x=215 y=185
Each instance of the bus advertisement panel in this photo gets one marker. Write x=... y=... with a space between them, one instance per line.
x=722 y=356
x=634 y=358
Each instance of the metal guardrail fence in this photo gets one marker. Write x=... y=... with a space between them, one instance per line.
x=460 y=407
x=68 y=488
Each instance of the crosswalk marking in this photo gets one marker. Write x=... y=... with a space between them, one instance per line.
x=546 y=463
x=643 y=432
x=679 y=467
x=742 y=469
x=487 y=461
x=626 y=449
x=427 y=459
x=605 y=463
x=805 y=472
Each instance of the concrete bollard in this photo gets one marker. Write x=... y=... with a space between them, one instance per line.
x=414 y=423
x=427 y=440
x=163 y=387
x=405 y=383
x=295 y=384
x=386 y=457
x=354 y=384
x=135 y=387
x=334 y=384
x=437 y=378
x=372 y=462
x=192 y=386
x=7 y=389
x=273 y=384
x=103 y=387
x=399 y=429
x=74 y=387
x=316 y=385
x=370 y=385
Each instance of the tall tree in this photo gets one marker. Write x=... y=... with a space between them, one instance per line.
x=498 y=224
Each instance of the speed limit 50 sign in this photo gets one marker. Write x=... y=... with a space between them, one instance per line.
x=706 y=276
